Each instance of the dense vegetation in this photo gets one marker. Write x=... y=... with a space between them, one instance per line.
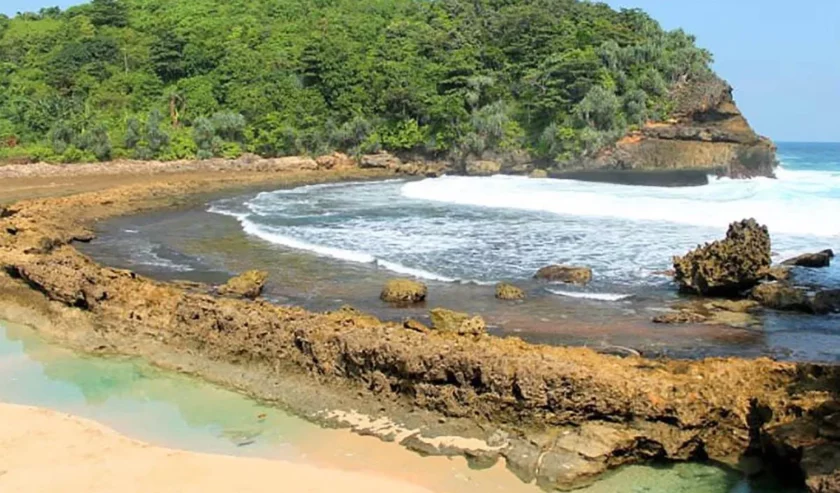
x=171 y=79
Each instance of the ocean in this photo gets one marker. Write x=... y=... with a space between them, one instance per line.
x=490 y=229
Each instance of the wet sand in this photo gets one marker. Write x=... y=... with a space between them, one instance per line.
x=83 y=456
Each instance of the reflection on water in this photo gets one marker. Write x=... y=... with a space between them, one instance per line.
x=173 y=410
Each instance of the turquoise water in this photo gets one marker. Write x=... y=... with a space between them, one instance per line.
x=173 y=410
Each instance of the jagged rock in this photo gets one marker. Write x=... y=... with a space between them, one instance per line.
x=826 y=301
x=538 y=173
x=403 y=291
x=781 y=296
x=505 y=291
x=336 y=161
x=563 y=273
x=482 y=168
x=456 y=322
x=246 y=285
x=815 y=260
x=679 y=317
x=382 y=160
x=729 y=266
x=416 y=326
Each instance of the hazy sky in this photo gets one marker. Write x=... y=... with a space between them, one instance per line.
x=782 y=57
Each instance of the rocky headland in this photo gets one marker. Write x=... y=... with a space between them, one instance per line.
x=559 y=415
x=706 y=132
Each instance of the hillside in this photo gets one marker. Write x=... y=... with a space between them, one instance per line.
x=552 y=81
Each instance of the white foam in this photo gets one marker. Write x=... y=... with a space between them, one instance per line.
x=590 y=296
x=418 y=273
x=801 y=203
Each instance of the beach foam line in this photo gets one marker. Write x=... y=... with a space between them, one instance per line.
x=591 y=296
x=253 y=229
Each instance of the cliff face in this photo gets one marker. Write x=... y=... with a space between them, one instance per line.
x=707 y=131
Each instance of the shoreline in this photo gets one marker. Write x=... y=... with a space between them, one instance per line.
x=529 y=401
x=89 y=457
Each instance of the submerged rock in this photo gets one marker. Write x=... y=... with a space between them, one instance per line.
x=680 y=317
x=826 y=301
x=815 y=260
x=403 y=291
x=505 y=291
x=246 y=285
x=729 y=266
x=457 y=323
x=781 y=296
x=564 y=273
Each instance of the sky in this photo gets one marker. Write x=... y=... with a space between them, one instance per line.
x=782 y=57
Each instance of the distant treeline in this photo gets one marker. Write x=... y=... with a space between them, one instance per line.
x=174 y=79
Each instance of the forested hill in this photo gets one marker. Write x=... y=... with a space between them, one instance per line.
x=171 y=79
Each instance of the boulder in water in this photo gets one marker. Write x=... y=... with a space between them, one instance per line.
x=403 y=291
x=826 y=301
x=781 y=296
x=564 y=273
x=457 y=323
x=246 y=285
x=679 y=317
x=777 y=273
x=814 y=260
x=728 y=266
x=505 y=291
x=538 y=173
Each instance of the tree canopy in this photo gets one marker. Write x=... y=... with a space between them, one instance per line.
x=175 y=79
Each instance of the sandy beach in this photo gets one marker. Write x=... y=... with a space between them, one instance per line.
x=83 y=456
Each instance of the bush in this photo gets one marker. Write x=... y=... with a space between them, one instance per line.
x=181 y=146
x=75 y=155
x=230 y=150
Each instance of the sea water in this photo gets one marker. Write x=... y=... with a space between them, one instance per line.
x=177 y=411
x=489 y=229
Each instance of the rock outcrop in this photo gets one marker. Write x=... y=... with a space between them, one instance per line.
x=826 y=301
x=505 y=291
x=403 y=291
x=813 y=260
x=246 y=285
x=707 y=131
x=781 y=296
x=565 y=273
x=726 y=267
x=453 y=322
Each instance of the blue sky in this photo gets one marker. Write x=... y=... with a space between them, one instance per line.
x=781 y=56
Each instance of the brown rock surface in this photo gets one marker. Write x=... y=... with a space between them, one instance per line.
x=336 y=161
x=814 y=260
x=453 y=322
x=246 y=285
x=826 y=301
x=403 y=291
x=729 y=266
x=482 y=168
x=505 y=291
x=781 y=296
x=564 y=273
